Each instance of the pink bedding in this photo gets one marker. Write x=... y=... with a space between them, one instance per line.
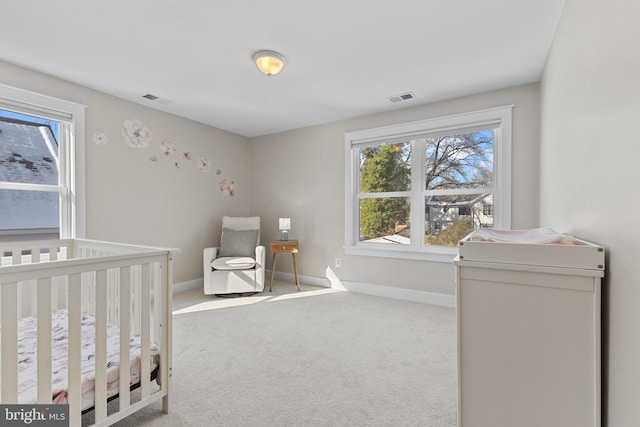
x=27 y=359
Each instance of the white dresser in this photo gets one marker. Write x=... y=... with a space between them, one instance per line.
x=528 y=332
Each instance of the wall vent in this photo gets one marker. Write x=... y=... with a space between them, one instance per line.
x=401 y=97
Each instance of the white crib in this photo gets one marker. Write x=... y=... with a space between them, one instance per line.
x=122 y=285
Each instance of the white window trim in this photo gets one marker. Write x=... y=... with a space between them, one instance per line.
x=72 y=179
x=500 y=116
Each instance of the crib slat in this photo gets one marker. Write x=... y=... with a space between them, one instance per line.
x=101 y=346
x=9 y=343
x=125 y=350
x=113 y=279
x=35 y=258
x=166 y=322
x=44 y=340
x=156 y=303
x=75 y=347
x=17 y=260
x=35 y=254
x=53 y=254
x=145 y=341
x=135 y=301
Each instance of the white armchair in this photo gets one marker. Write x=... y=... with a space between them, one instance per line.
x=237 y=265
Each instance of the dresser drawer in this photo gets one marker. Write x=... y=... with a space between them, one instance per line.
x=284 y=246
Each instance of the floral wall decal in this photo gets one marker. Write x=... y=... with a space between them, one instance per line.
x=136 y=134
x=203 y=164
x=99 y=138
x=226 y=187
x=167 y=147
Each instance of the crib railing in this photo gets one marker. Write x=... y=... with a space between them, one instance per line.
x=124 y=285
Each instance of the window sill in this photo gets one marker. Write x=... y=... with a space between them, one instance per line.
x=439 y=254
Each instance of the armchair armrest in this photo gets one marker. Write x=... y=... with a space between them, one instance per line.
x=209 y=254
x=261 y=254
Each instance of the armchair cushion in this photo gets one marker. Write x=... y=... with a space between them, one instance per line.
x=235 y=243
x=233 y=263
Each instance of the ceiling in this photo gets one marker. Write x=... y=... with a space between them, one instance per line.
x=344 y=57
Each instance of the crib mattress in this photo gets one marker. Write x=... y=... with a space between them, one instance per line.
x=27 y=359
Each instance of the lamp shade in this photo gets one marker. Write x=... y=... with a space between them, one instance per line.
x=269 y=62
x=284 y=223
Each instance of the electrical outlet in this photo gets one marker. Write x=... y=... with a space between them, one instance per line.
x=338 y=262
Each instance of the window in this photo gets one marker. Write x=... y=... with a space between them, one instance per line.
x=464 y=210
x=414 y=190
x=41 y=155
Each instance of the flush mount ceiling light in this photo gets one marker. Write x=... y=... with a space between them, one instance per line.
x=269 y=62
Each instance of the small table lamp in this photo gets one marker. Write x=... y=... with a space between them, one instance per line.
x=285 y=226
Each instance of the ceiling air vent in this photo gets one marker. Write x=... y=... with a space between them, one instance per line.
x=402 y=97
x=157 y=99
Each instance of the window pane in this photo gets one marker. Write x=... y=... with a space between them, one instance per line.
x=385 y=220
x=462 y=160
x=450 y=218
x=385 y=168
x=28 y=151
x=28 y=155
x=29 y=212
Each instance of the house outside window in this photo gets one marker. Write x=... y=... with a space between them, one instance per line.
x=41 y=166
x=414 y=190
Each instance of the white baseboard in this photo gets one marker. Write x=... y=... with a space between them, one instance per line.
x=188 y=286
x=309 y=280
x=424 y=297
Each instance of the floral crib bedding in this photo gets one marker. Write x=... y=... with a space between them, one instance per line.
x=27 y=359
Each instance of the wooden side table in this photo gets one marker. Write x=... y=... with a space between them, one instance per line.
x=286 y=247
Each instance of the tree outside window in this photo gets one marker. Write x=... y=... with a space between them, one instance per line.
x=453 y=163
x=457 y=166
x=384 y=169
x=442 y=176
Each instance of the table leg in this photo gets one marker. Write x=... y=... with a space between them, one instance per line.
x=273 y=270
x=295 y=270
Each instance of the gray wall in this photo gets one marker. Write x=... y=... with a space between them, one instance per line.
x=590 y=97
x=131 y=199
x=300 y=174
x=582 y=175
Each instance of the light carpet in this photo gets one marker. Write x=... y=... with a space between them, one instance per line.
x=318 y=357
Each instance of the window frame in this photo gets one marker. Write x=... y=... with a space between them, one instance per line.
x=71 y=153
x=500 y=118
